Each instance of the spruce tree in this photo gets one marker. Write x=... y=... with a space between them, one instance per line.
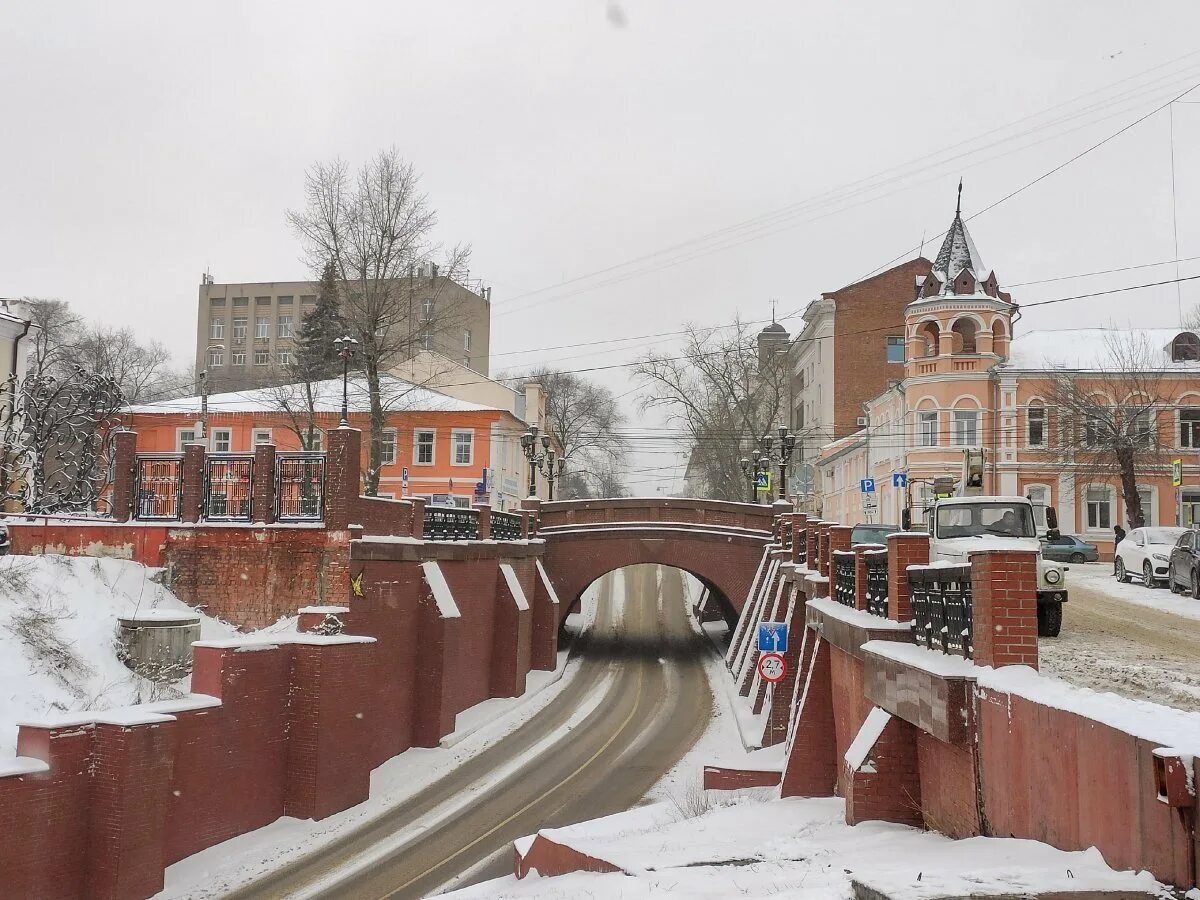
x=316 y=357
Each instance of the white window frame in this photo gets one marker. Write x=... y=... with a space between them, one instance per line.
x=285 y=356
x=216 y=358
x=467 y=340
x=214 y=440
x=266 y=357
x=1111 y=503
x=922 y=434
x=179 y=437
x=284 y=326
x=386 y=458
x=455 y=433
x=319 y=438
x=262 y=327
x=958 y=436
x=237 y=357
x=216 y=329
x=1029 y=442
x=427 y=309
x=240 y=330
x=427 y=340
x=1151 y=509
x=417 y=432
x=259 y=436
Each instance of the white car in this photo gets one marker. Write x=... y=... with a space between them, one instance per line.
x=1146 y=552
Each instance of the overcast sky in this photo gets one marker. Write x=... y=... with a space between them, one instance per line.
x=146 y=142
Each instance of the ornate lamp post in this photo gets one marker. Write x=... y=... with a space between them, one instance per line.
x=787 y=446
x=346 y=348
x=748 y=471
x=554 y=470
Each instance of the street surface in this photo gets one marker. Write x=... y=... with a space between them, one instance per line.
x=1130 y=648
x=656 y=704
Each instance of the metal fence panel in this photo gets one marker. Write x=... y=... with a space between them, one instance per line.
x=228 y=487
x=300 y=487
x=450 y=523
x=877 y=583
x=159 y=491
x=506 y=526
x=844 y=589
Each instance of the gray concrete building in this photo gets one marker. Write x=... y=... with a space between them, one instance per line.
x=245 y=333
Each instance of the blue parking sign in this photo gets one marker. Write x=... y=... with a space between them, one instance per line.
x=772 y=637
x=867 y=485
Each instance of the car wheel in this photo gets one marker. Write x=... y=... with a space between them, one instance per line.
x=1120 y=572
x=1049 y=617
x=1077 y=558
x=1148 y=574
x=1194 y=585
x=1172 y=583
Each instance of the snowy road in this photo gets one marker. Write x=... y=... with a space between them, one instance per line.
x=1128 y=639
x=584 y=755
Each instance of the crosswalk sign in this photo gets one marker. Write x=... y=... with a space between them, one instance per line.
x=1176 y=472
x=762 y=482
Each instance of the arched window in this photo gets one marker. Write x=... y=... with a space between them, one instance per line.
x=930 y=334
x=1185 y=348
x=1035 y=424
x=999 y=338
x=965 y=341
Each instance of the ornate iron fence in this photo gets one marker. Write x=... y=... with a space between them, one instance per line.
x=877 y=582
x=786 y=535
x=158 y=494
x=300 y=487
x=506 y=526
x=941 y=603
x=451 y=523
x=843 y=564
x=802 y=547
x=228 y=487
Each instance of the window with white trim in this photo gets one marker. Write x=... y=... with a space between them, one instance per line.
x=427 y=309
x=467 y=340
x=285 y=357
x=239 y=328
x=1189 y=428
x=184 y=436
x=222 y=440
x=216 y=357
x=262 y=326
x=318 y=440
x=1035 y=426
x=423 y=445
x=237 y=358
x=965 y=427
x=285 y=326
x=216 y=329
x=927 y=429
x=262 y=357
x=463 y=442
x=388 y=447
x=1099 y=503
x=260 y=436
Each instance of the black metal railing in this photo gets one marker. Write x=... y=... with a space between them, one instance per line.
x=786 y=536
x=941 y=604
x=506 y=526
x=802 y=548
x=451 y=523
x=844 y=589
x=300 y=487
x=158 y=491
x=228 y=487
x=876 y=562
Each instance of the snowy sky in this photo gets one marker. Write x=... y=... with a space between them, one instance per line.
x=146 y=141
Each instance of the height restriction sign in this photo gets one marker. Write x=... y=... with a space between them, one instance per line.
x=772 y=667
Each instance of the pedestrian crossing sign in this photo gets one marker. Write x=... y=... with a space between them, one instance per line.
x=762 y=482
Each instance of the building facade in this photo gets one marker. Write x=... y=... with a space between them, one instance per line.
x=245 y=333
x=968 y=384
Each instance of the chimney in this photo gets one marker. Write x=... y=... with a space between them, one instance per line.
x=433 y=270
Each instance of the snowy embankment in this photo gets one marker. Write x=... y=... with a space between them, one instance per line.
x=58 y=626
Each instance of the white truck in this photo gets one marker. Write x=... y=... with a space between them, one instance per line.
x=969 y=522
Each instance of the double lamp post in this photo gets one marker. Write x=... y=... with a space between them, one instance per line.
x=770 y=451
x=541 y=460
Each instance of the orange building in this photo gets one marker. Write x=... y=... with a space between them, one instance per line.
x=435 y=446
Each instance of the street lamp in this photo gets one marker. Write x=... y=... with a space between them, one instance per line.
x=787 y=446
x=529 y=445
x=748 y=471
x=346 y=347
x=554 y=469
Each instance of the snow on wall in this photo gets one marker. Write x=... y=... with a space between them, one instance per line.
x=868 y=734
x=442 y=596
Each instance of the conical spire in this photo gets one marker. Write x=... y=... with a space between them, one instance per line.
x=959 y=251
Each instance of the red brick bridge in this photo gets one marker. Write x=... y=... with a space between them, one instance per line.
x=720 y=543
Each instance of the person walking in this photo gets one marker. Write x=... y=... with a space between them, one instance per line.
x=1118 y=536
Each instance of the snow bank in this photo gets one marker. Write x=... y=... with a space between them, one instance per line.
x=58 y=622
x=859 y=618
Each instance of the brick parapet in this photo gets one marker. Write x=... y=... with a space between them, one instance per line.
x=342 y=475
x=1004 y=607
x=904 y=549
x=485 y=521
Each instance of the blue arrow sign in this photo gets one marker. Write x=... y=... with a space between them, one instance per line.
x=899 y=479
x=867 y=485
x=772 y=637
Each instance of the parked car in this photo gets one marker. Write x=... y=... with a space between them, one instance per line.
x=1146 y=552
x=1183 y=569
x=872 y=534
x=1068 y=548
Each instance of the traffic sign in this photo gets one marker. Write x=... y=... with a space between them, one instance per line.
x=899 y=479
x=867 y=485
x=772 y=667
x=1176 y=472
x=772 y=637
x=762 y=482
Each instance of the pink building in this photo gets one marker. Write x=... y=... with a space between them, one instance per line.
x=969 y=383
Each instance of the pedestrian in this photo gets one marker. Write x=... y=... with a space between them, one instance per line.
x=1118 y=536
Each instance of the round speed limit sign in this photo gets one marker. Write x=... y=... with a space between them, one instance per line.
x=772 y=667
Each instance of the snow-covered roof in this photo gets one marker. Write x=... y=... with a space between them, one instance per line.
x=1096 y=349
x=958 y=252
x=398 y=395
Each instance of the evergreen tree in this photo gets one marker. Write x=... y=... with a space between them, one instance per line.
x=316 y=357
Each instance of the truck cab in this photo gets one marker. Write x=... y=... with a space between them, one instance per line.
x=960 y=525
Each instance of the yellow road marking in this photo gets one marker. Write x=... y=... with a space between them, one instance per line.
x=534 y=802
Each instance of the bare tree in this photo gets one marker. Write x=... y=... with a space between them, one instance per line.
x=585 y=421
x=723 y=394
x=375 y=228
x=1105 y=421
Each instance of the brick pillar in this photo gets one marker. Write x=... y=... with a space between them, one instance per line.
x=823 y=546
x=262 y=503
x=544 y=652
x=812 y=765
x=485 y=521
x=533 y=506
x=124 y=474
x=343 y=473
x=437 y=663
x=512 y=633
x=814 y=548
x=860 y=578
x=798 y=520
x=838 y=539
x=907 y=548
x=886 y=786
x=418 y=516
x=1004 y=607
x=193 y=482
x=131 y=781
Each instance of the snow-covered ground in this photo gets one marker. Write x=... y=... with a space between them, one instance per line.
x=1132 y=640
x=58 y=625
